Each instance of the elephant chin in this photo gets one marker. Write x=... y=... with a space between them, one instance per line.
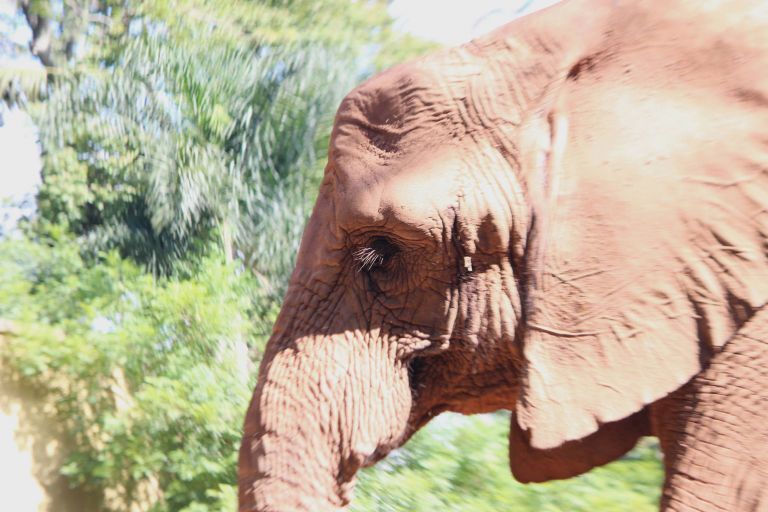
x=353 y=400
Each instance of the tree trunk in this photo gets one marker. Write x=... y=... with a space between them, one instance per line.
x=240 y=347
x=41 y=44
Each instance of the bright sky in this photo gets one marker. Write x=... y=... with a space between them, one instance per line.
x=450 y=23
x=457 y=21
x=19 y=152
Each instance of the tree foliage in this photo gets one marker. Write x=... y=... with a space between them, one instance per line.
x=141 y=373
x=177 y=146
x=460 y=463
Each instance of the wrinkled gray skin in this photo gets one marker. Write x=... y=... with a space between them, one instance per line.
x=567 y=218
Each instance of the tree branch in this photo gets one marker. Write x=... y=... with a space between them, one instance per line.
x=42 y=34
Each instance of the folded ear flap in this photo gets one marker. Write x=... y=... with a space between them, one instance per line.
x=572 y=458
x=609 y=327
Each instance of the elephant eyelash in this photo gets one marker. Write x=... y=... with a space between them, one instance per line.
x=375 y=255
x=367 y=258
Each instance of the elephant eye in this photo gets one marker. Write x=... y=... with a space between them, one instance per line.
x=377 y=254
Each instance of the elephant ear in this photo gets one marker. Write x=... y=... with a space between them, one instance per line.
x=609 y=326
x=609 y=442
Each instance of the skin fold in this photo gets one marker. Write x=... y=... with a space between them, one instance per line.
x=566 y=218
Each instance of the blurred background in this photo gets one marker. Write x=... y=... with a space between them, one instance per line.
x=158 y=161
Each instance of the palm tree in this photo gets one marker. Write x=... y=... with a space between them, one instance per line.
x=174 y=147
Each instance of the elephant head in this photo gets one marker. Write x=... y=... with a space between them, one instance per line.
x=544 y=220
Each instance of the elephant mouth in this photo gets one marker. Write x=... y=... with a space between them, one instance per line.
x=427 y=399
x=378 y=454
x=416 y=366
x=425 y=405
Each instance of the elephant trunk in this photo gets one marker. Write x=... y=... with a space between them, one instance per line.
x=324 y=406
x=283 y=459
x=274 y=476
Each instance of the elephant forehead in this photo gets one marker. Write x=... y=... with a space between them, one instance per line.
x=411 y=104
x=385 y=99
x=402 y=97
x=415 y=191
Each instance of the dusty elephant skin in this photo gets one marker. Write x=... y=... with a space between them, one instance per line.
x=567 y=218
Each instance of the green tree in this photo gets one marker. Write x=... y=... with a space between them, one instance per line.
x=133 y=370
x=179 y=148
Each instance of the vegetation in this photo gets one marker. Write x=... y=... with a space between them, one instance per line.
x=183 y=143
x=460 y=464
x=140 y=373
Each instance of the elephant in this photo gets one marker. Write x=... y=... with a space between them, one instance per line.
x=566 y=218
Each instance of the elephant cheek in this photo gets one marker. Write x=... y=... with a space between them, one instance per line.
x=324 y=407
